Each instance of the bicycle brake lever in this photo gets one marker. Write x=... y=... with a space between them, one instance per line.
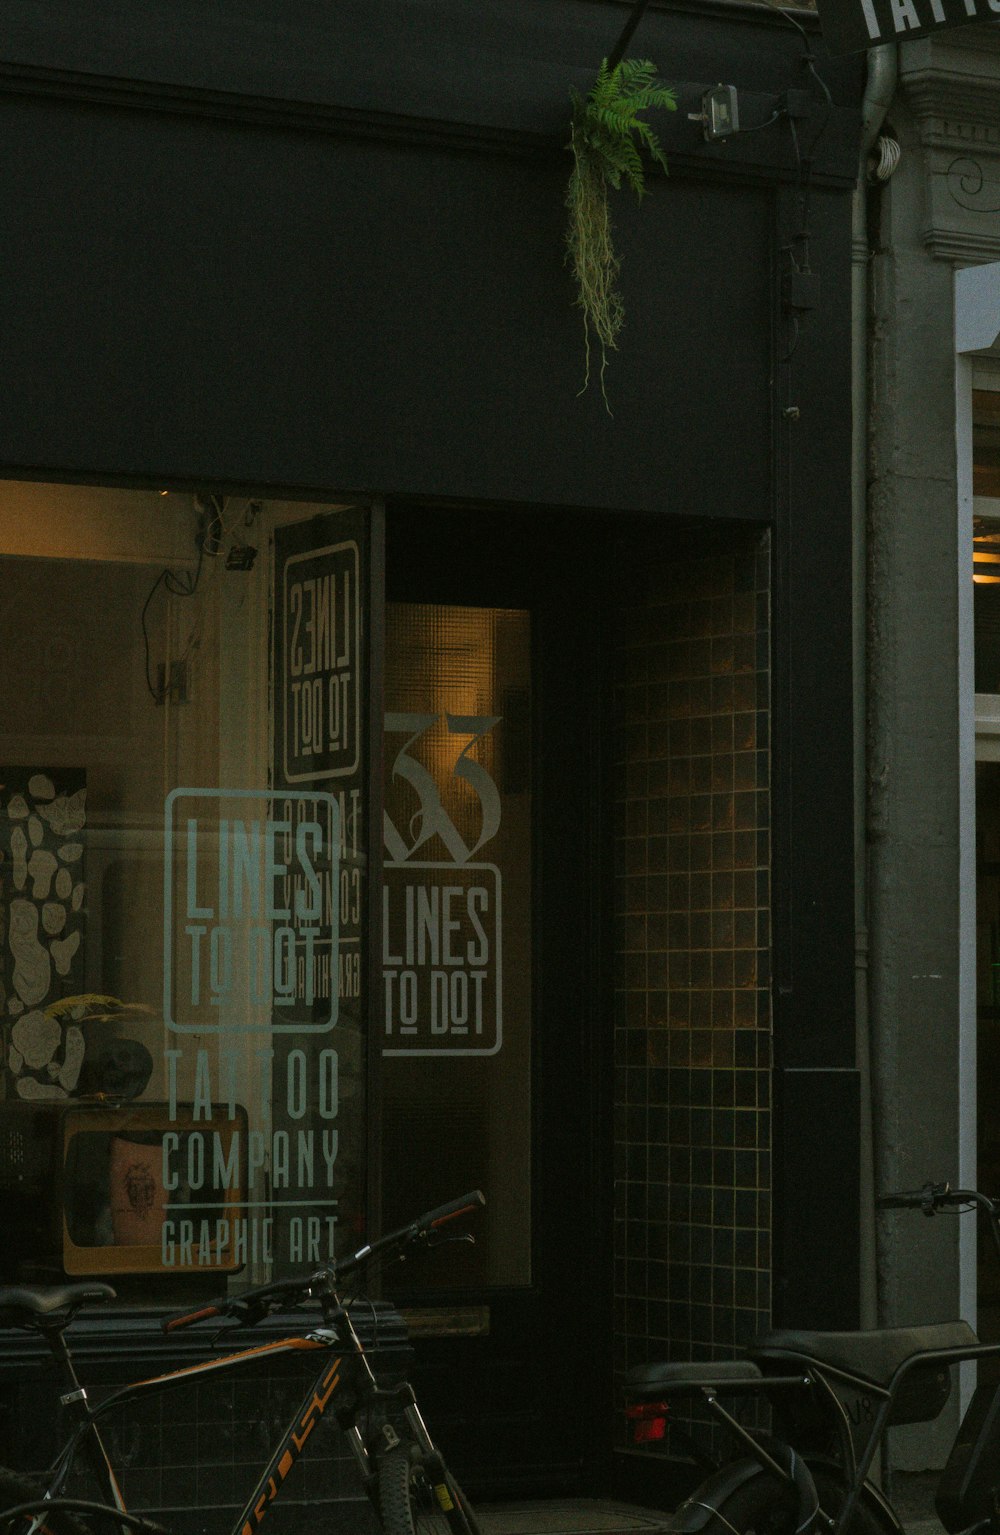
x=436 y=1239
x=932 y=1192
x=245 y=1314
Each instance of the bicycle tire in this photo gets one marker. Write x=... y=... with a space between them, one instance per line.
x=765 y=1506
x=409 y=1505
x=16 y=1489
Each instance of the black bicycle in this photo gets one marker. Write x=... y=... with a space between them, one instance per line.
x=831 y=1398
x=401 y=1469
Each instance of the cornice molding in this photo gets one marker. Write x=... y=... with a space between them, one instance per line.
x=756 y=157
x=953 y=89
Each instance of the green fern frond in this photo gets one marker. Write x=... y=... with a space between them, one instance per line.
x=630 y=72
x=651 y=144
x=608 y=138
x=653 y=96
x=630 y=160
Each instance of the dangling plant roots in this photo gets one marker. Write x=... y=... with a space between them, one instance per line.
x=607 y=137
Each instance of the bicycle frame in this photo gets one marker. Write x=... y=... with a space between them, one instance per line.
x=345 y=1384
x=347 y=1373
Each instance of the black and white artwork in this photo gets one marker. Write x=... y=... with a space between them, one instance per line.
x=43 y=817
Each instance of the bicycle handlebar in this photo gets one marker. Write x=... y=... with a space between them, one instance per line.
x=935 y=1196
x=422 y=1226
x=250 y=1307
x=253 y=1305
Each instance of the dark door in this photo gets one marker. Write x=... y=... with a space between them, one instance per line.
x=496 y=1014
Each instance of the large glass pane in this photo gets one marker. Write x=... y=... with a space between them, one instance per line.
x=986 y=610
x=457 y=926
x=181 y=1087
x=988 y=1024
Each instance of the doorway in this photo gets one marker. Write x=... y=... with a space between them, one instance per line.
x=497 y=1037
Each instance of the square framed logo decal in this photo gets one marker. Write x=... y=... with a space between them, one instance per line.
x=251 y=897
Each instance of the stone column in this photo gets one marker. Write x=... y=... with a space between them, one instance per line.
x=940 y=210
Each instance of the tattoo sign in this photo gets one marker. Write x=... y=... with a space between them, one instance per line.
x=318 y=651
x=852 y=26
x=251 y=910
x=441 y=926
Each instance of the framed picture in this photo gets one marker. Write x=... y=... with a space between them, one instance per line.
x=147 y=1192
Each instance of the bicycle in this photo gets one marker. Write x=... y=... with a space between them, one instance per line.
x=832 y=1396
x=401 y=1470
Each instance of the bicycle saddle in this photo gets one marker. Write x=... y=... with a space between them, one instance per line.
x=25 y=1304
x=873 y=1356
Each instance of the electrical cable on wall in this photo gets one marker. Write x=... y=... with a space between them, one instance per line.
x=208 y=541
x=721 y=119
x=798 y=250
x=216 y=536
x=177 y=586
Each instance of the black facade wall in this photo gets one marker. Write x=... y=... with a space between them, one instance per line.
x=502 y=68
x=325 y=254
x=239 y=290
x=816 y=1086
x=269 y=307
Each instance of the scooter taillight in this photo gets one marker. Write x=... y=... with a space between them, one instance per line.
x=649 y=1421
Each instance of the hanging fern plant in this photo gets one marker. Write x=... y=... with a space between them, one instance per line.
x=607 y=140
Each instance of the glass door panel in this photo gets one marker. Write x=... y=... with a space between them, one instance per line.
x=457 y=928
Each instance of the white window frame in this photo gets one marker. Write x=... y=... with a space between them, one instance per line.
x=977 y=366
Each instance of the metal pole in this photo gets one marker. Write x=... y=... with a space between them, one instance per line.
x=618 y=51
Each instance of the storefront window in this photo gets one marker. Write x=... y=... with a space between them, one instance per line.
x=986 y=609
x=986 y=538
x=183 y=891
x=457 y=907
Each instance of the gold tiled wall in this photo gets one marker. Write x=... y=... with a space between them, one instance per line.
x=692 y=1025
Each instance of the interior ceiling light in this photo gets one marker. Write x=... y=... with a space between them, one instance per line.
x=985 y=562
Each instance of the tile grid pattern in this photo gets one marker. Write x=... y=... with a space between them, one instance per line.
x=692 y=1000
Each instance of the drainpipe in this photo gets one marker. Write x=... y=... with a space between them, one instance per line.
x=879 y=92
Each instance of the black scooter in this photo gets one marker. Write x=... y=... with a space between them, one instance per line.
x=832 y=1396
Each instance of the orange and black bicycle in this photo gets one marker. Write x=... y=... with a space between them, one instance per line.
x=400 y=1467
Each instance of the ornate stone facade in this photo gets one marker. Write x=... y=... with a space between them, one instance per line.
x=952 y=86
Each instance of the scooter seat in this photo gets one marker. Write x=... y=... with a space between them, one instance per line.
x=646 y=1382
x=874 y=1356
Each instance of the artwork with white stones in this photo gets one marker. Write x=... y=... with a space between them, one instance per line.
x=43 y=912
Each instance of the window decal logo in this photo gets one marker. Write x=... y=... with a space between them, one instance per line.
x=251 y=915
x=441 y=911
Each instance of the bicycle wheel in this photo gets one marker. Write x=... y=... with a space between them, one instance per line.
x=16 y=1489
x=765 y=1506
x=410 y=1504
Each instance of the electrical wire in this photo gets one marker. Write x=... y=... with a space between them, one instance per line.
x=805 y=161
x=775 y=117
x=796 y=332
x=798 y=248
x=219 y=539
x=177 y=586
x=809 y=59
x=185 y=584
x=213 y=534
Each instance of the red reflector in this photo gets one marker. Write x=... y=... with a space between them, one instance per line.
x=649 y=1421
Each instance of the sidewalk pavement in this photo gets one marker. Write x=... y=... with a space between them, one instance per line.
x=913 y=1500
x=912 y=1496
x=569 y=1516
